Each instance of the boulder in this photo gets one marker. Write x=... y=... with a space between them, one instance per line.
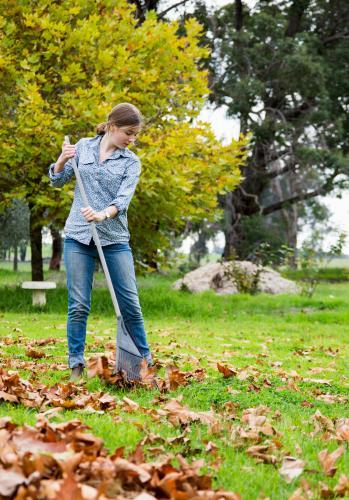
x=225 y=278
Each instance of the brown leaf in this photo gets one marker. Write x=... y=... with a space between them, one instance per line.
x=107 y=401
x=98 y=367
x=331 y=398
x=325 y=491
x=137 y=457
x=69 y=489
x=342 y=488
x=291 y=468
x=260 y=453
x=175 y=378
x=342 y=429
x=8 y=397
x=226 y=370
x=318 y=381
x=181 y=415
x=147 y=373
x=9 y=481
x=130 y=405
x=34 y=353
x=327 y=460
x=130 y=471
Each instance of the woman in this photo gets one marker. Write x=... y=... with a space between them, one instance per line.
x=110 y=172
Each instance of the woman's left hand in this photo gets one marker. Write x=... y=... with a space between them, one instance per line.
x=93 y=216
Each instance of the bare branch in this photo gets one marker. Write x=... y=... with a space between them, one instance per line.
x=337 y=36
x=321 y=190
x=178 y=4
x=254 y=196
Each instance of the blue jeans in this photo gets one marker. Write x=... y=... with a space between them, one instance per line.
x=79 y=260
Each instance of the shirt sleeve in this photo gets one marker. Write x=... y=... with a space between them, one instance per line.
x=128 y=186
x=60 y=178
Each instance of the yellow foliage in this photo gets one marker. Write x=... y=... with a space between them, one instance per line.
x=65 y=64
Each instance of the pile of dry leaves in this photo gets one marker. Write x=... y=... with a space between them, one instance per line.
x=62 y=461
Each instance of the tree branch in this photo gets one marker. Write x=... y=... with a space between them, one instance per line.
x=321 y=190
x=337 y=36
x=178 y=4
x=250 y=195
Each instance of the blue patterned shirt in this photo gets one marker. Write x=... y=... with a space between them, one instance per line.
x=111 y=182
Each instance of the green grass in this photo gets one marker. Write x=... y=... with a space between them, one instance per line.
x=331 y=274
x=274 y=335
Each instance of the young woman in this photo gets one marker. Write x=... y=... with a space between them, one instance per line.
x=110 y=172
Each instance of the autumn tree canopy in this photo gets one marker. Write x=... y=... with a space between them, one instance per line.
x=65 y=64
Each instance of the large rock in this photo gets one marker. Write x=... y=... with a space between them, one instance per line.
x=225 y=278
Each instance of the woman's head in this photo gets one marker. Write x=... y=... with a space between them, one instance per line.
x=124 y=123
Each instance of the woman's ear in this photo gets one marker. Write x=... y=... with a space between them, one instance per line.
x=113 y=128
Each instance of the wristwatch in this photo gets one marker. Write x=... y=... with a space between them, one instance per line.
x=107 y=214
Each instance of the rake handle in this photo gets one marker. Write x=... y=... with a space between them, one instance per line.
x=95 y=234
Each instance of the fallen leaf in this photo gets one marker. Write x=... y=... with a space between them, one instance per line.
x=260 y=453
x=342 y=487
x=9 y=481
x=130 y=405
x=34 y=353
x=69 y=489
x=226 y=370
x=327 y=460
x=342 y=429
x=291 y=468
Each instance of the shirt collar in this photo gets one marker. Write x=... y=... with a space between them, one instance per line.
x=118 y=152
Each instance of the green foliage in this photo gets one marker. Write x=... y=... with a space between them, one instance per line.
x=14 y=226
x=279 y=67
x=262 y=239
x=246 y=282
x=311 y=258
x=64 y=65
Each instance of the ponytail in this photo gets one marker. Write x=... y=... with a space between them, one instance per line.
x=102 y=128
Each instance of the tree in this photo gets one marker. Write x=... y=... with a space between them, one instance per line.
x=280 y=68
x=64 y=65
x=14 y=229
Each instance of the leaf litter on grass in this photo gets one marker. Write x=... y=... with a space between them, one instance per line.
x=63 y=461
x=254 y=431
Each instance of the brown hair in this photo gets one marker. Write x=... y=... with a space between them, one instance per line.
x=122 y=115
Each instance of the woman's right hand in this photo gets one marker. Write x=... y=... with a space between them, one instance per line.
x=68 y=151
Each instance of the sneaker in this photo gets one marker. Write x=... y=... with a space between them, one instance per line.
x=76 y=373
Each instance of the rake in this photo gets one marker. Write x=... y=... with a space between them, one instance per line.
x=128 y=357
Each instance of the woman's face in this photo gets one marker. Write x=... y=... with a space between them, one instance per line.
x=122 y=137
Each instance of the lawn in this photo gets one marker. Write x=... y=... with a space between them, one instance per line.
x=285 y=357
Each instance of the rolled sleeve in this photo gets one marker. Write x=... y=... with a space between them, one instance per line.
x=58 y=179
x=128 y=186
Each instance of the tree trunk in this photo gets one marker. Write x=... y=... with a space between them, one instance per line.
x=232 y=229
x=22 y=251
x=289 y=215
x=291 y=234
x=55 y=262
x=15 y=258
x=36 y=245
